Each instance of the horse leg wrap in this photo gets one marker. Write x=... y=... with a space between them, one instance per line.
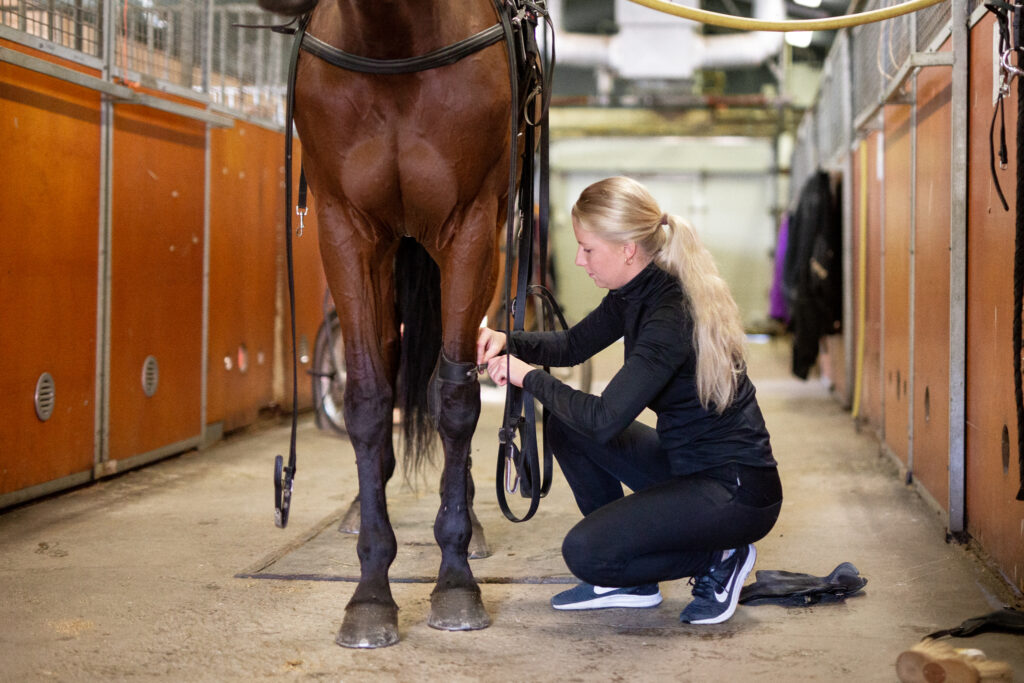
x=447 y=372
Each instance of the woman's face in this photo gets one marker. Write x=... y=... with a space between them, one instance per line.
x=605 y=262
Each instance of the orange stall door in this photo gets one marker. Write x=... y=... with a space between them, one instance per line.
x=157 y=281
x=49 y=245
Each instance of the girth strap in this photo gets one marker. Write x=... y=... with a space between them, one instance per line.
x=406 y=65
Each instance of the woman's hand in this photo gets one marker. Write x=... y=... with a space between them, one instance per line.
x=503 y=369
x=489 y=344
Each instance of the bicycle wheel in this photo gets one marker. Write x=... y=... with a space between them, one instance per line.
x=329 y=376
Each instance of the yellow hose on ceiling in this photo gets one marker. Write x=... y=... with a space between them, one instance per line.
x=748 y=24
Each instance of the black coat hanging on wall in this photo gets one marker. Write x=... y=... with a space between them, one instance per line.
x=813 y=272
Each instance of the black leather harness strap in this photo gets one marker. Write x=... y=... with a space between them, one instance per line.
x=519 y=418
x=284 y=476
x=432 y=60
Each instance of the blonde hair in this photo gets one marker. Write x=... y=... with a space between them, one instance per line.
x=621 y=210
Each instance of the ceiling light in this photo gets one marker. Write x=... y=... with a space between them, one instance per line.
x=799 y=38
x=808 y=3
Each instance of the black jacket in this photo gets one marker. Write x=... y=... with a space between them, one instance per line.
x=813 y=273
x=659 y=372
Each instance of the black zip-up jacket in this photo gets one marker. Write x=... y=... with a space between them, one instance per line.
x=659 y=372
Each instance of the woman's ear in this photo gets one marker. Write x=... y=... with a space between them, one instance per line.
x=629 y=250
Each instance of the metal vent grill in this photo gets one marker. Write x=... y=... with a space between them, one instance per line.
x=898 y=43
x=150 y=376
x=867 y=68
x=832 y=108
x=69 y=23
x=46 y=396
x=931 y=21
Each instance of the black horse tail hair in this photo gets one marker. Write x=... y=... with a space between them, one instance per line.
x=418 y=286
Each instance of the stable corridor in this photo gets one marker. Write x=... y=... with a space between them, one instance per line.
x=175 y=571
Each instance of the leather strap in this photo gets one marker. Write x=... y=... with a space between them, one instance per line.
x=284 y=476
x=520 y=417
x=432 y=60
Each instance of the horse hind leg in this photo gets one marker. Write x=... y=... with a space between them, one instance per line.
x=478 y=548
x=350 y=521
x=455 y=603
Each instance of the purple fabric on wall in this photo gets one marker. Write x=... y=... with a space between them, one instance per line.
x=778 y=308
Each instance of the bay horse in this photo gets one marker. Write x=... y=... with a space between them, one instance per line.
x=410 y=173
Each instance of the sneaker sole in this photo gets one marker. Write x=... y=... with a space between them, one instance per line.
x=614 y=601
x=734 y=594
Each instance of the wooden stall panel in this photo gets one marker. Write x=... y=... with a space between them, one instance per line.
x=157 y=279
x=896 y=320
x=868 y=166
x=994 y=517
x=245 y=219
x=931 y=286
x=49 y=201
x=310 y=285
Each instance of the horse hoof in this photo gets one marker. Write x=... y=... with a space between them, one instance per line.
x=457 y=609
x=369 y=625
x=350 y=522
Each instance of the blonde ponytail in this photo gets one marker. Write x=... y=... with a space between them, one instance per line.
x=621 y=210
x=718 y=334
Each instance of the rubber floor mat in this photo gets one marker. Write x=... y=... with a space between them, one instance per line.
x=529 y=552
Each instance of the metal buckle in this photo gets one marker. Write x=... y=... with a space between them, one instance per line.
x=511 y=473
x=1004 y=60
x=301 y=212
x=283 y=483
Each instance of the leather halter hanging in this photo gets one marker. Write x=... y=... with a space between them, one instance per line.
x=518 y=19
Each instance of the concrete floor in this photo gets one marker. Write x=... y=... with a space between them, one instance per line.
x=138 y=577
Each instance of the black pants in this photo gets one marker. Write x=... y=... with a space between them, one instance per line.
x=671 y=526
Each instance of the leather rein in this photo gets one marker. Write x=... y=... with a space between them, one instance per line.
x=518 y=20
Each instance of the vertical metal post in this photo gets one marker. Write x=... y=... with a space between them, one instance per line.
x=958 y=267
x=846 y=89
x=188 y=48
x=882 y=185
x=912 y=279
x=204 y=362
x=51 y=20
x=101 y=439
x=79 y=19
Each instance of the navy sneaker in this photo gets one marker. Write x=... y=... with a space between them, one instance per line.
x=716 y=593
x=586 y=596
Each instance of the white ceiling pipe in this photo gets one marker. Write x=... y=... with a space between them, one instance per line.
x=748 y=48
x=583 y=49
x=654 y=45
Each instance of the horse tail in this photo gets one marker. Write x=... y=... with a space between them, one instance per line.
x=418 y=285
